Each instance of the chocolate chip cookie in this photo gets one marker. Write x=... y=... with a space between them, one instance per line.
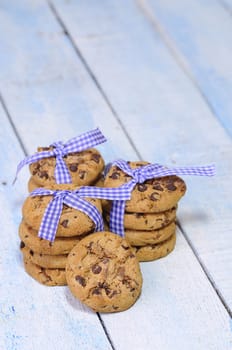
x=155 y=251
x=85 y=167
x=44 y=260
x=153 y=195
x=72 y=221
x=143 y=238
x=48 y=277
x=145 y=221
x=103 y=272
x=61 y=245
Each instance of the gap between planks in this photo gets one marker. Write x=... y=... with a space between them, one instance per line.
x=4 y=106
x=92 y=76
x=176 y=54
x=227 y=308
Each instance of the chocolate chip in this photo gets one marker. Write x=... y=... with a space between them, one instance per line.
x=96 y=269
x=171 y=187
x=82 y=174
x=43 y=174
x=96 y=291
x=22 y=245
x=155 y=196
x=31 y=252
x=121 y=272
x=96 y=157
x=158 y=187
x=64 y=223
x=45 y=148
x=108 y=291
x=112 y=294
x=73 y=167
x=81 y=280
x=125 y=247
x=115 y=175
x=141 y=187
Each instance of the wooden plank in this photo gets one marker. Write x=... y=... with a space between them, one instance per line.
x=33 y=316
x=199 y=36
x=56 y=92
x=46 y=103
x=164 y=113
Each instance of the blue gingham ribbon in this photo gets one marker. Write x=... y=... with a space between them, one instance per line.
x=141 y=174
x=75 y=199
x=76 y=144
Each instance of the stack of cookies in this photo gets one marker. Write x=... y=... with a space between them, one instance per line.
x=150 y=214
x=44 y=260
x=85 y=169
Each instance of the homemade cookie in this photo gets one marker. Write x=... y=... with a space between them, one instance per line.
x=85 y=167
x=72 y=221
x=32 y=185
x=152 y=196
x=60 y=246
x=144 y=221
x=155 y=251
x=48 y=277
x=103 y=272
x=143 y=238
x=44 y=260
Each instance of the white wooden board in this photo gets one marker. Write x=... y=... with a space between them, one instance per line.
x=51 y=96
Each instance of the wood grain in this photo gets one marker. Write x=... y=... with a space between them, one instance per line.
x=125 y=81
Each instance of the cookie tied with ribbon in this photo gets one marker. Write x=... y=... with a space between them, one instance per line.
x=154 y=188
x=73 y=162
x=77 y=199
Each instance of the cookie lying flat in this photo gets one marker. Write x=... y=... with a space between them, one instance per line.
x=152 y=196
x=146 y=222
x=84 y=167
x=142 y=238
x=44 y=260
x=61 y=245
x=155 y=251
x=72 y=222
x=48 y=277
x=103 y=272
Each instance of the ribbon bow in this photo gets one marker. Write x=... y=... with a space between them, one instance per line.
x=141 y=174
x=76 y=144
x=75 y=199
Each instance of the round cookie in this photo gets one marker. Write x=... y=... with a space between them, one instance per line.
x=84 y=167
x=155 y=251
x=152 y=196
x=72 y=221
x=103 y=272
x=44 y=260
x=32 y=185
x=143 y=238
x=61 y=245
x=146 y=221
x=48 y=277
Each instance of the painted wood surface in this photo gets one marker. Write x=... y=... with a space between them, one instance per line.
x=158 y=99
x=192 y=33
x=50 y=95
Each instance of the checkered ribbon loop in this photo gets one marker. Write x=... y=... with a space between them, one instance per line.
x=76 y=144
x=141 y=174
x=74 y=199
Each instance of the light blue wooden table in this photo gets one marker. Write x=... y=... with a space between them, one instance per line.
x=156 y=77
